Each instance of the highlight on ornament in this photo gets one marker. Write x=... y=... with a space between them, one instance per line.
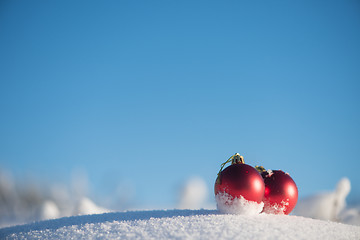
x=243 y=189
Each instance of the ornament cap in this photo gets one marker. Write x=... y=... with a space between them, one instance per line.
x=260 y=169
x=237 y=159
x=234 y=159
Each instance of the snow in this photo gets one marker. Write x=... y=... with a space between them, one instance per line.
x=49 y=210
x=27 y=201
x=193 y=194
x=329 y=205
x=228 y=204
x=350 y=216
x=182 y=224
x=339 y=221
x=86 y=207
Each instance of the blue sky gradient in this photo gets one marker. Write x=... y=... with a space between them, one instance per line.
x=153 y=92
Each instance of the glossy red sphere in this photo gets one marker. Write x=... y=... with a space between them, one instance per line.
x=241 y=180
x=281 y=193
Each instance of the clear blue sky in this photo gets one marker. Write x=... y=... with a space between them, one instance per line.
x=152 y=92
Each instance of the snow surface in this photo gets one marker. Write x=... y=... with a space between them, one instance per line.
x=182 y=224
x=17 y=207
x=247 y=223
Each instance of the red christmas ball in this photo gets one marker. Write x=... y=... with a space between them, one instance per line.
x=240 y=179
x=281 y=193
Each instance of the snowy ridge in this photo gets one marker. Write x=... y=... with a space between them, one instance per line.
x=182 y=224
x=100 y=218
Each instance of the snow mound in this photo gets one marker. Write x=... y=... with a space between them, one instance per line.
x=182 y=224
x=228 y=204
x=86 y=207
x=350 y=216
x=193 y=194
x=325 y=206
x=49 y=210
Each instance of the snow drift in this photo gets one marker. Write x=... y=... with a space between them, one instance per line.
x=330 y=205
x=325 y=206
x=248 y=223
x=193 y=194
x=182 y=224
x=18 y=206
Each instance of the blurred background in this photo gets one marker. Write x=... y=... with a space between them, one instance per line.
x=122 y=105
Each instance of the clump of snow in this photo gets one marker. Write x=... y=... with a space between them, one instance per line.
x=273 y=208
x=325 y=206
x=49 y=210
x=228 y=204
x=194 y=194
x=270 y=172
x=86 y=206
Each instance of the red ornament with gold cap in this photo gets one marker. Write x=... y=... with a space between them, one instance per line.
x=240 y=180
x=281 y=192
